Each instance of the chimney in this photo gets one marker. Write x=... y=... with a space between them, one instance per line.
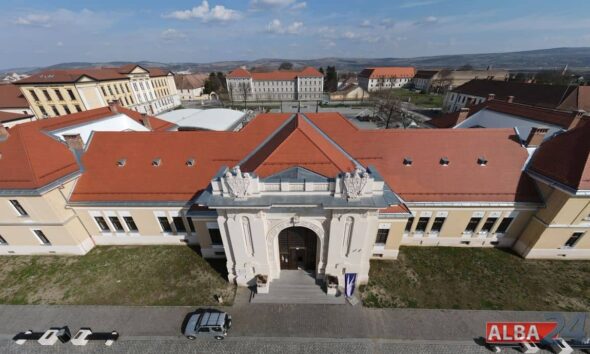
x=491 y=96
x=536 y=137
x=3 y=132
x=463 y=113
x=145 y=120
x=576 y=118
x=74 y=142
x=510 y=99
x=114 y=106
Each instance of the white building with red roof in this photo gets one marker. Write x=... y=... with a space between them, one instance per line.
x=384 y=78
x=289 y=191
x=280 y=85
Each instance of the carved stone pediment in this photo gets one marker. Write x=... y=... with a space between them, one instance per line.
x=237 y=182
x=354 y=183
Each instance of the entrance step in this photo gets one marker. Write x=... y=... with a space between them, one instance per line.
x=296 y=287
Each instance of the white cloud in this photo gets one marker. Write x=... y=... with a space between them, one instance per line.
x=366 y=24
x=60 y=44
x=34 y=20
x=275 y=26
x=172 y=34
x=299 y=6
x=277 y=4
x=205 y=13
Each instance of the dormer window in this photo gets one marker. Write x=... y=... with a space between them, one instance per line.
x=444 y=161
x=482 y=161
x=121 y=162
x=407 y=161
x=156 y=162
x=190 y=162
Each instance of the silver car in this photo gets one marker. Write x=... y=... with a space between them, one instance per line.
x=208 y=323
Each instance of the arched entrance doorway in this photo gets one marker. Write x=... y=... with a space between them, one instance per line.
x=298 y=248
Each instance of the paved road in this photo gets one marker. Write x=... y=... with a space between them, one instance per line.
x=254 y=346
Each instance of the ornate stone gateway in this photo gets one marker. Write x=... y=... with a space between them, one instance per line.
x=298 y=248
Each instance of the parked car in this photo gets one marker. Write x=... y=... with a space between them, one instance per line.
x=208 y=323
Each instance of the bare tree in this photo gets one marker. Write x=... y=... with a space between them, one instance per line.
x=242 y=90
x=389 y=109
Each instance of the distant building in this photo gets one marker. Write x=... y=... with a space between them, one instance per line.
x=14 y=108
x=541 y=95
x=524 y=119
x=8 y=78
x=383 y=78
x=54 y=93
x=444 y=80
x=191 y=87
x=280 y=85
x=349 y=93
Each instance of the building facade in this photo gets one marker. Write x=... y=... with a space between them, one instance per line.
x=55 y=93
x=385 y=78
x=309 y=192
x=280 y=85
x=191 y=87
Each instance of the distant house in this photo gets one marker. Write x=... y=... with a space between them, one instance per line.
x=494 y=113
x=14 y=108
x=541 y=95
x=349 y=93
x=191 y=87
x=383 y=78
x=443 y=80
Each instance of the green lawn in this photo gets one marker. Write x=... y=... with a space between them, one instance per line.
x=419 y=99
x=475 y=278
x=142 y=275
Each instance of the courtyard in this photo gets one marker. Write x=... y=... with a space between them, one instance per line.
x=117 y=275
x=477 y=278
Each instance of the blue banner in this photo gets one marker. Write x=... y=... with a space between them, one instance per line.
x=350 y=282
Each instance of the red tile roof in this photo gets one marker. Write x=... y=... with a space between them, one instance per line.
x=11 y=97
x=275 y=75
x=323 y=146
x=543 y=115
x=549 y=96
x=99 y=74
x=30 y=158
x=565 y=158
x=389 y=72
x=8 y=116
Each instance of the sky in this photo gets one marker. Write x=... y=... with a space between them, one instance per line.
x=46 y=32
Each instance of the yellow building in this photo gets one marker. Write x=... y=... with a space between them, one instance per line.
x=55 y=93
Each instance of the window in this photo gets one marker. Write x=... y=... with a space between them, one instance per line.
x=42 y=238
x=204 y=329
x=66 y=109
x=55 y=111
x=102 y=224
x=165 y=224
x=110 y=90
x=472 y=225
x=104 y=93
x=571 y=242
x=422 y=223
x=43 y=111
x=504 y=225
x=19 y=208
x=179 y=224
x=46 y=94
x=130 y=223
x=58 y=94
x=116 y=224
x=215 y=237
x=487 y=226
x=3 y=241
x=382 y=236
x=34 y=95
x=191 y=225
x=409 y=224
x=78 y=108
x=71 y=94
x=437 y=224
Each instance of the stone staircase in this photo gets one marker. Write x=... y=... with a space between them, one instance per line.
x=296 y=287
